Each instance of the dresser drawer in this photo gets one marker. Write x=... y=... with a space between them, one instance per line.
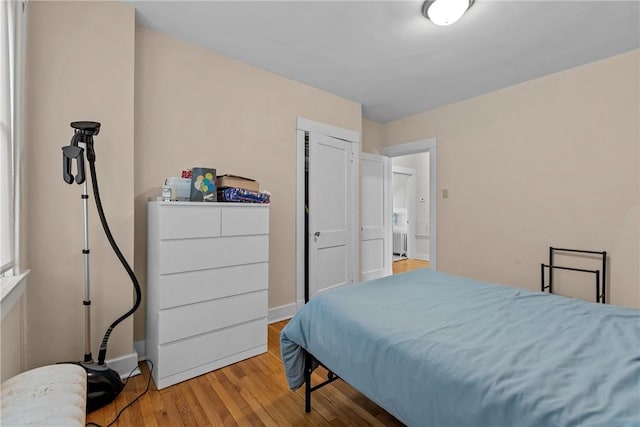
x=186 y=354
x=202 y=285
x=176 y=256
x=181 y=221
x=243 y=220
x=193 y=319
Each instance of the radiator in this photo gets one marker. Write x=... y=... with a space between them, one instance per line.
x=400 y=243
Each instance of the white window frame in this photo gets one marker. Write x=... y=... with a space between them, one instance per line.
x=12 y=49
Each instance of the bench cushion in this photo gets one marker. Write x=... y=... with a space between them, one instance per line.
x=53 y=395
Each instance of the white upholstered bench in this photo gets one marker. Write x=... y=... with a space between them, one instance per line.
x=54 y=395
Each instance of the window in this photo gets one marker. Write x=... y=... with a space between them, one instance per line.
x=11 y=66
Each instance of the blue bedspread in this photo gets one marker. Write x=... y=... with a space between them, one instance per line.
x=437 y=350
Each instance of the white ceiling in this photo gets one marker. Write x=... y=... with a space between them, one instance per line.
x=388 y=57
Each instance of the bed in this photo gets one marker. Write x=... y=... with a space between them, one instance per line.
x=438 y=350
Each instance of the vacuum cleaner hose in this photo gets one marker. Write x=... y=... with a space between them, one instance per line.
x=96 y=194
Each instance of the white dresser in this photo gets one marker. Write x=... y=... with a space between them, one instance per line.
x=207 y=281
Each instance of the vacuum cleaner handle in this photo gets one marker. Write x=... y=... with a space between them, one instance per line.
x=70 y=153
x=84 y=132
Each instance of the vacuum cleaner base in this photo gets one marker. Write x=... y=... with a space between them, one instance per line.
x=103 y=385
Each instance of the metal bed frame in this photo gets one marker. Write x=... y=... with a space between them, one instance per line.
x=309 y=367
x=600 y=296
x=308 y=388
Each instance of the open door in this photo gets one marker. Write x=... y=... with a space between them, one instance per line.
x=375 y=233
x=331 y=203
x=328 y=208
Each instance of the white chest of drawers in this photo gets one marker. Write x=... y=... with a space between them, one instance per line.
x=207 y=281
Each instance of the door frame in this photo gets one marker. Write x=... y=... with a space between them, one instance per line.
x=303 y=126
x=420 y=146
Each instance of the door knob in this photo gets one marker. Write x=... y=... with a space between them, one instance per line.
x=316 y=234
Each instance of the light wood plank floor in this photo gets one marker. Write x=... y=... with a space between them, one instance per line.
x=249 y=393
x=405 y=265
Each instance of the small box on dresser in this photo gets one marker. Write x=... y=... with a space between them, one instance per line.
x=207 y=284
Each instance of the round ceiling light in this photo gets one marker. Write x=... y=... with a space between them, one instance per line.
x=445 y=12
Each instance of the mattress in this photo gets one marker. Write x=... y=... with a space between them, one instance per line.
x=434 y=349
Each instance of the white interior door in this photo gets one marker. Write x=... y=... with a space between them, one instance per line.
x=330 y=208
x=375 y=235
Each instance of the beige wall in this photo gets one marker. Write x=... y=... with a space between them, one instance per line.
x=197 y=108
x=550 y=162
x=373 y=136
x=80 y=66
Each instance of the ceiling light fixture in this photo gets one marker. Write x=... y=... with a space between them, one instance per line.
x=445 y=12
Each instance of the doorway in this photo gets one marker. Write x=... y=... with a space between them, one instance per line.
x=411 y=206
x=421 y=227
x=403 y=219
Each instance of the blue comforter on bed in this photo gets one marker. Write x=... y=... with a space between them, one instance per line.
x=438 y=350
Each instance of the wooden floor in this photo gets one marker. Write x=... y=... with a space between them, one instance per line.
x=253 y=392
x=405 y=265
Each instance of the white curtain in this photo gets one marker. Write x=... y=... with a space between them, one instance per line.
x=12 y=30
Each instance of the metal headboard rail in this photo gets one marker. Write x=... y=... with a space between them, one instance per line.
x=600 y=296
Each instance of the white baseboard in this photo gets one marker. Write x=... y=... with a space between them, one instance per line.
x=423 y=257
x=125 y=365
x=141 y=348
x=283 y=312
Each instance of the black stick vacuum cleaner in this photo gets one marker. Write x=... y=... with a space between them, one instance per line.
x=103 y=383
